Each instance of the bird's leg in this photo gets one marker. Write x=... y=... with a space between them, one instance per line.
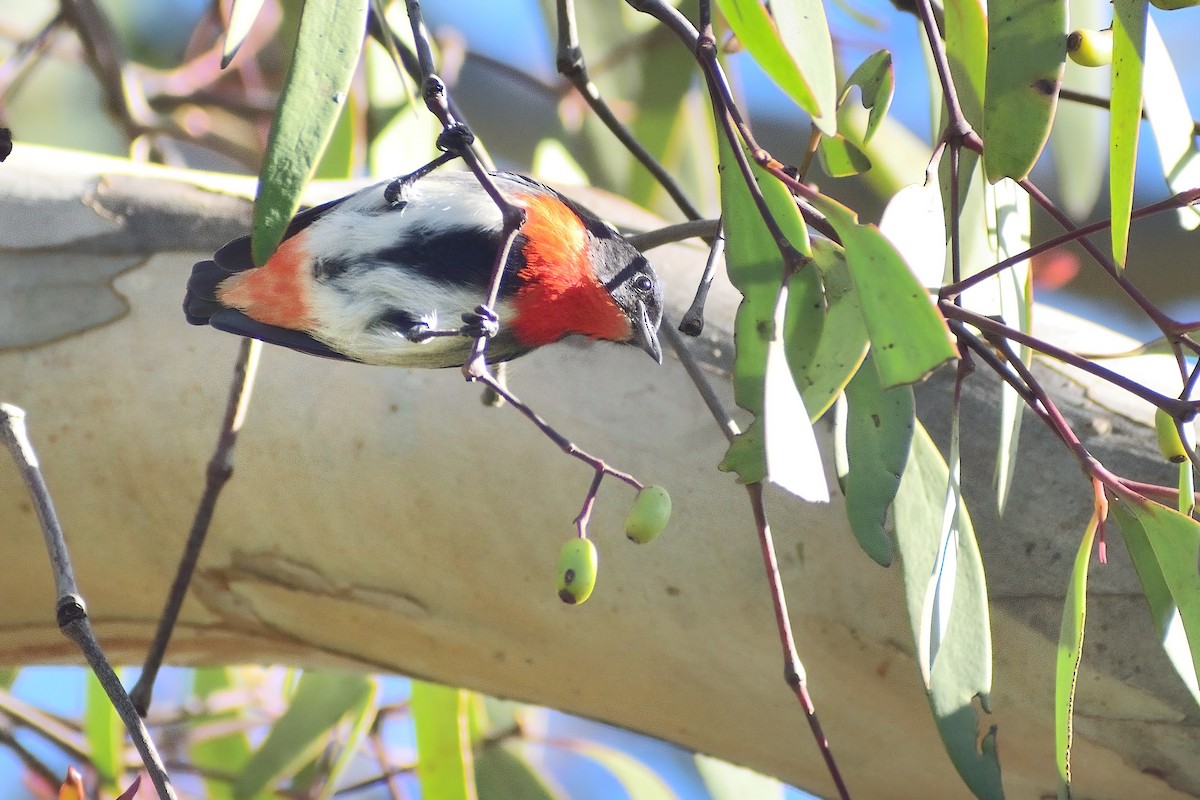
x=480 y=322
x=396 y=192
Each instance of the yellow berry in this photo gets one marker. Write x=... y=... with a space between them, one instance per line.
x=577 y=565
x=1169 y=443
x=1090 y=48
x=649 y=514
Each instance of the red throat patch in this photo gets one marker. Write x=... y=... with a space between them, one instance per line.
x=275 y=293
x=560 y=293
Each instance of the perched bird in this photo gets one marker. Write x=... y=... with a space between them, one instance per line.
x=385 y=275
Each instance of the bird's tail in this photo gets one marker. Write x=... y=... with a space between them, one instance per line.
x=200 y=301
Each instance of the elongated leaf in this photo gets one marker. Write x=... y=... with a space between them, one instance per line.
x=445 y=767
x=227 y=753
x=958 y=649
x=637 y=779
x=800 y=61
x=966 y=50
x=878 y=434
x=1125 y=116
x=822 y=371
x=104 y=732
x=725 y=781
x=660 y=124
x=342 y=153
x=908 y=335
x=1070 y=652
x=914 y=222
x=1027 y=48
x=1164 y=546
x=503 y=773
x=359 y=717
x=1171 y=121
x=327 y=49
x=241 y=17
x=320 y=701
x=1079 y=137
x=840 y=157
x=876 y=79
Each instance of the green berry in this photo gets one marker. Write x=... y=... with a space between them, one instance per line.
x=1090 y=48
x=1169 y=443
x=577 y=565
x=649 y=514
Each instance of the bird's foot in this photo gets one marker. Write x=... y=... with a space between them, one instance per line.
x=480 y=322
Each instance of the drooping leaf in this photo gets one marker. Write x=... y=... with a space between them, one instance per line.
x=445 y=767
x=967 y=53
x=908 y=335
x=1125 y=116
x=840 y=157
x=242 y=14
x=822 y=369
x=1070 y=652
x=638 y=780
x=1171 y=121
x=342 y=154
x=104 y=732
x=503 y=773
x=326 y=54
x=225 y=753
x=794 y=49
x=876 y=79
x=1164 y=546
x=1027 y=48
x=359 y=719
x=725 y=781
x=876 y=438
x=914 y=222
x=947 y=603
x=322 y=698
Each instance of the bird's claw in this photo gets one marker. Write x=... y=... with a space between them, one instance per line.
x=455 y=138
x=480 y=322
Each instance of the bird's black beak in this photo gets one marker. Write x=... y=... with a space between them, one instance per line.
x=645 y=334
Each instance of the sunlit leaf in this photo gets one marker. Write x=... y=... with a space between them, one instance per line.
x=913 y=221
x=876 y=438
x=1070 y=652
x=326 y=54
x=876 y=79
x=1164 y=546
x=794 y=49
x=359 y=718
x=226 y=753
x=322 y=698
x=1125 y=115
x=638 y=780
x=1027 y=47
x=822 y=368
x=967 y=51
x=1079 y=139
x=908 y=336
x=242 y=14
x=1171 y=121
x=725 y=781
x=840 y=157
x=445 y=767
x=954 y=639
x=660 y=123
x=104 y=731
x=342 y=154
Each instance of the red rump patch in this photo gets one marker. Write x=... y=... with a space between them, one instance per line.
x=560 y=293
x=275 y=293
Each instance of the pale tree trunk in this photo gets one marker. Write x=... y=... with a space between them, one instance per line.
x=385 y=519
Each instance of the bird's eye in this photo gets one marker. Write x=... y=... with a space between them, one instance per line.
x=643 y=283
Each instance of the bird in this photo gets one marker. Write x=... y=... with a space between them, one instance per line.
x=382 y=276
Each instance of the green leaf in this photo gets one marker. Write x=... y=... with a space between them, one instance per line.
x=1171 y=121
x=327 y=49
x=1070 y=652
x=876 y=79
x=1027 y=48
x=822 y=368
x=797 y=55
x=1125 y=116
x=503 y=773
x=725 y=781
x=340 y=159
x=660 y=124
x=1079 y=137
x=242 y=14
x=360 y=718
x=840 y=157
x=639 y=781
x=908 y=335
x=1164 y=546
x=444 y=764
x=226 y=753
x=966 y=50
x=946 y=596
x=8 y=676
x=104 y=732
x=322 y=698
x=779 y=436
x=874 y=440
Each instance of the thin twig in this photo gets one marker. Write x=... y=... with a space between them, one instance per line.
x=220 y=469
x=71 y=611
